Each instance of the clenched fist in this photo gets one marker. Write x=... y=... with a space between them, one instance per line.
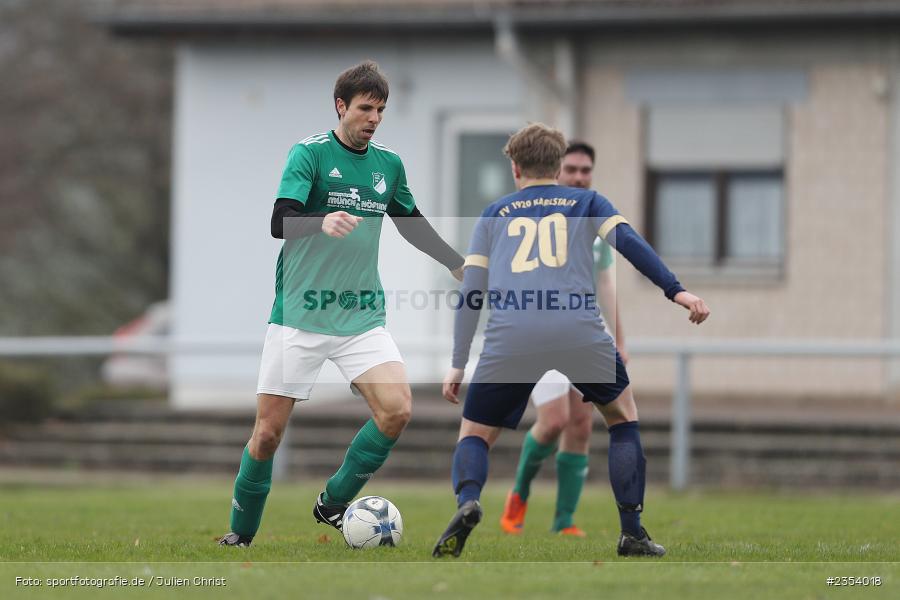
x=339 y=224
x=695 y=304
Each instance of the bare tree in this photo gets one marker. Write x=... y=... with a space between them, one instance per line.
x=85 y=122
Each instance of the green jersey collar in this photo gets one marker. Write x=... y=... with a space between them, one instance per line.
x=347 y=150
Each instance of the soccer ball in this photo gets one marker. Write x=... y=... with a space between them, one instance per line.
x=372 y=521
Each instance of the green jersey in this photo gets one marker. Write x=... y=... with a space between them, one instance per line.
x=331 y=285
x=603 y=258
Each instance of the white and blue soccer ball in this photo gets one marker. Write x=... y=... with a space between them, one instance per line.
x=372 y=521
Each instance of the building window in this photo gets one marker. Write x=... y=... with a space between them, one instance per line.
x=484 y=173
x=715 y=187
x=717 y=218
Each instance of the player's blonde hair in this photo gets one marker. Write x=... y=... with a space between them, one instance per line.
x=538 y=149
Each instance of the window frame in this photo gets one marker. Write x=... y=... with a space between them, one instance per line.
x=452 y=127
x=721 y=177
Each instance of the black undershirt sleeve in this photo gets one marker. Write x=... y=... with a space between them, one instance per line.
x=416 y=230
x=288 y=223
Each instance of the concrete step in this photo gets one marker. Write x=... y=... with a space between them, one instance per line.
x=706 y=439
x=723 y=468
x=746 y=449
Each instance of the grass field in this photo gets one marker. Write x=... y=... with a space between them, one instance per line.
x=728 y=544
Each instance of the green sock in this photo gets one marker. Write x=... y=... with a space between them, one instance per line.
x=367 y=452
x=530 y=461
x=254 y=479
x=571 y=469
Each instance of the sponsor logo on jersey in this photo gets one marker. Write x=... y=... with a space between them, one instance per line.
x=379 y=182
x=352 y=199
x=344 y=199
x=335 y=173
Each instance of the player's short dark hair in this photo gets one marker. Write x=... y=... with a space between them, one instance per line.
x=537 y=149
x=364 y=79
x=576 y=146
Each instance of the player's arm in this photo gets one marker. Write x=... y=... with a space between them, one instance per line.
x=475 y=281
x=606 y=292
x=416 y=230
x=289 y=221
x=628 y=242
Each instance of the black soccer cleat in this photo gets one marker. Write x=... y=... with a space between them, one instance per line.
x=330 y=514
x=461 y=525
x=234 y=539
x=643 y=546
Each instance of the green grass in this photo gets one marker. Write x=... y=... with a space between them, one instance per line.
x=721 y=544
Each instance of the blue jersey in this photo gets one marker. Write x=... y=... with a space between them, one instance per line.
x=537 y=245
x=531 y=262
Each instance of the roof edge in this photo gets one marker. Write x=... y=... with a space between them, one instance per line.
x=138 y=21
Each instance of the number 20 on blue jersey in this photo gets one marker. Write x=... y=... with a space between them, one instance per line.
x=543 y=231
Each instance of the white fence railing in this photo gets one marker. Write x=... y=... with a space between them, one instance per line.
x=679 y=473
x=682 y=351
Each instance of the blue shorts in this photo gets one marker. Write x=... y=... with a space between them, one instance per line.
x=501 y=385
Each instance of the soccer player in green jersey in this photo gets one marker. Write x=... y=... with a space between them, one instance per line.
x=564 y=421
x=329 y=304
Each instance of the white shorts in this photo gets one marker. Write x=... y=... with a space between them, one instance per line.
x=554 y=384
x=292 y=358
x=550 y=386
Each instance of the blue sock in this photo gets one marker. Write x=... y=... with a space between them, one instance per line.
x=470 y=468
x=627 y=474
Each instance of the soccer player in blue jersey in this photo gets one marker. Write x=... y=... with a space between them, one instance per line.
x=564 y=420
x=531 y=261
